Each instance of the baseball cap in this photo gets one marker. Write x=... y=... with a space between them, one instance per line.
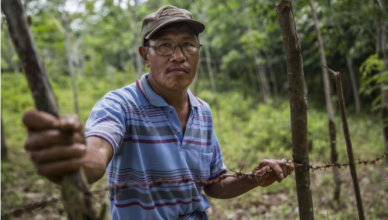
x=167 y=15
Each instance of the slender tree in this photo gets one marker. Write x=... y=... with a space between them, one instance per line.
x=209 y=67
x=69 y=56
x=139 y=62
x=298 y=107
x=3 y=146
x=202 y=16
x=329 y=107
x=264 y=87
x=349 y=63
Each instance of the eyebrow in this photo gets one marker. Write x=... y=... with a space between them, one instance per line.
x=169 y=38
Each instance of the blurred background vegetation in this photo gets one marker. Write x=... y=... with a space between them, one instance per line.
x=242 y=75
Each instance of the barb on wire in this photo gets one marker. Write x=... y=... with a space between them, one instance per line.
x=258 y=174
x=340 y=165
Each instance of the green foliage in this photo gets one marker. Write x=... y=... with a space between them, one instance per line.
x=104 y=38
x=248 y=133
x=374 y=77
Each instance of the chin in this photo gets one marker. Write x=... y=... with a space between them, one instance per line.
x=178 y=84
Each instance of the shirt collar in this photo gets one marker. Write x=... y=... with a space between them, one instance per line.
x=157 y=100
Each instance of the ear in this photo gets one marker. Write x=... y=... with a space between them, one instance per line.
x=143 y=51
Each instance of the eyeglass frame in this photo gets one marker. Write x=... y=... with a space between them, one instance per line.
x=175 y=45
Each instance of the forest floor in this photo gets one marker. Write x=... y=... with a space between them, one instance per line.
x=21 y=186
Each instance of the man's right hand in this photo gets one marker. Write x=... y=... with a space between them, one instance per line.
x=56 y=146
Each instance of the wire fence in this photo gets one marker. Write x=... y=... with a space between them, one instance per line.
x=259 y=174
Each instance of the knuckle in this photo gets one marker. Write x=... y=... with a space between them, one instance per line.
x=26 y=116
x=78 y=138
x=77 y=150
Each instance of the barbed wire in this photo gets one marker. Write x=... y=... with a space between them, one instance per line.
x=340 y=165
x=258 y=175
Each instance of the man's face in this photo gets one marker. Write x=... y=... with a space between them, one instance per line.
x=177 y=71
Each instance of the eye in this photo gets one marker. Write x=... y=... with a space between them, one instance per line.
x=165 y=45
x=188 y=44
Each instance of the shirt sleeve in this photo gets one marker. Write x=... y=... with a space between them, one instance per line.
x=217 y=166
x=107 y=121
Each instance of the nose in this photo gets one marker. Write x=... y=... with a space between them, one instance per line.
x=178 y=55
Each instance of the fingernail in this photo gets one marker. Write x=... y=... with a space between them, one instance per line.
x=70 y=121
x=281 y=176
x=55 y=124
x=82 y=147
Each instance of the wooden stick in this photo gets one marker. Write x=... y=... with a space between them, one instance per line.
x=349 y=147
x=298 y=107
x=74 y=185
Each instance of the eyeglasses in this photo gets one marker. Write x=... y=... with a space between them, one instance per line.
x=168 y=48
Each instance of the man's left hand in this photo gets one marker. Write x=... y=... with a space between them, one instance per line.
x=276 y=170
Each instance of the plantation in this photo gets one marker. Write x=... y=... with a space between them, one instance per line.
x=248 y=132
x=264 y=68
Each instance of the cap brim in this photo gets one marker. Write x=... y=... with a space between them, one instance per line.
x=196 y=25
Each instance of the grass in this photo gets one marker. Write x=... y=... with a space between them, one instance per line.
x=248 y=132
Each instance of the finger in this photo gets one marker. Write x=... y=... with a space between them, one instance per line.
x=263 y=164
x=60 y=168
x=38 y=140
x=70 y=123
x=38 y=120
x=58 y=153
x=275 y=166
x=290 y=168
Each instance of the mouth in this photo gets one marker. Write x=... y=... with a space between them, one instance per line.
x=177 y=70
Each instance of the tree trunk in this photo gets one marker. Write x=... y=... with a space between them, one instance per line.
x=139 y=61
x=264 y=77
x=259 y=70
x=69 y=58
x=354 y=83
x=3 y=146
x=121 y=61
x=254 y=88
x=306 y=88
x=273 y=79
x=329 y=107
x=94 y=70
x=111 y=75
x=209 y=67
x=195 y=83
x=298 y=107
x=226 y=80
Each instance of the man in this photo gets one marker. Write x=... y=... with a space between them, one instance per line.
x=152 y=130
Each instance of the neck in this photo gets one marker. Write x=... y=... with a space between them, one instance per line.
x=176 y=98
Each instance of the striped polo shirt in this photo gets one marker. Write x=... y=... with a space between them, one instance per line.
x=149 y=145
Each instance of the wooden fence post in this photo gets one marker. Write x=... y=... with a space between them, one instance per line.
x=349 y=148
x=298 y=107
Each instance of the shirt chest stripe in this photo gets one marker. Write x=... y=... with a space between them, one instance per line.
x=156 y=204
x=150 y=141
